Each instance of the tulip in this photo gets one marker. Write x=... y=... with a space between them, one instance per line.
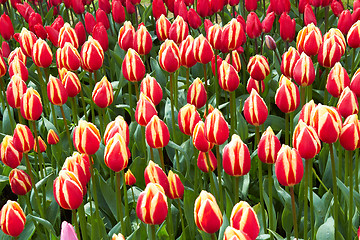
x=56 y=91
x=309 y=16
x=118 y=12
x=119 y=125
x=228 y=77
x=199 y=140
x=27 y=40
x=258 y=67
x=67 y=232
x=116 y=153
x=90 y=22
x=269 y=146
x=70 y=57
x=348 y=103
x=17 y=67
x=178 y=30
x=268 y=22
x=162 y=26
x=129 y=178
x=287 y=27
x=145 y=110
x=102 y=94
x=52 y=137
x=42 y=145
x=142 y=40
x=337 y=80
x=7 y=29
x=158 y=9
x=214 y=36
x=71 y=83
x=255 y=109
x=306 y=140
x=157 y=133
x=207 y=25
x=350 y=133
x=251 y=5
x=130 y=8
x=339 y=38
x=289 y=60
x=287 y=96
x=353 y=35
x=169 y=57
x=186 y=51
x=207 y=214
x=233 y=35
x=203 y=8
x=196 y=94
x=34 y=20
x=206 y=158
x=80 y=33
x=289 y=168
x=304 y=71
x=17 y=52
x=30 y=105
x=188 y=117
x=253 y=26
x=79 y=165
x=306 y=111
x=309 y=40
x=68 y=34
x=193 y=19
x=243 y=218
x=10 y=156
x=355 y=83
x=175 y=185
x=15 y=90
x=12 y=219
x=151 y=207
x=58 y=23
x=23 y=140
x=86 y=138
x=330 y=52
x=234 y=57
x=126 y=36
x=102 y=17
x=92 y=55
x=68 y=191
x=234 y=234
x=253 y=84
x=152 y=89
x=345 y=21
x=20 y=182
x=337 y=7
x=3 y=67
x=99 y=33
x=117 y=237
x=216 y=128
x=25 y=10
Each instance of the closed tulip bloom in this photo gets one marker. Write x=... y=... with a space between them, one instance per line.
x=306 y=140
x=92 y=55
x=117 y=237
x=338 y=37
x=119 y=125
x=269 y=146
x=162 y=27
x=12 y=219
x=309 y=16
x=350 y=133
x=228 y=77
x=233 y=35
x=78 y=7
x=234 y=234
x=268 y=22
x=20 y=182
x=194 y=19
x=214 y=36
x=7 y=29
x=309 y=40
x=306 y=111
x=169 y=56
x=203 y=8
x=199 y=140
x=287 y=27
x=251 y=5
x=129 y=178
x=355 y=83
x=67 y=231
x=71 y=83
x=206 y=161
x=17 y=67
x=68 y=191
x=130 y=8
x=42 y=145
x=102 y=17
x=287 y=96
x=30 y=105
x=158 y=9
x=133 y=67
x=233 y=58
x=118 y=12
x=79 y=164
x=253 y=25
x=41 y=54
x=52 y=137
x=154 y=174
x=337 y=80
x=186 y=51
x=258 y=67
x=304 y=71
x=216 y=128
x=52 y=35
x=207 y=214
x=70 y=57
x=105 y=6
x=102 y=94
x=196 y=94
x=152 y=89
x=255 y=109
x=126 y=36
x=17 y=52
x=145 y=110
x=67 y=34
x=116 y=153
x=142 y=40
x=243 y=218
x=151 y=207
x=178 y=30
x=289 y=60
x=15 y=90
x=86 y=138
x=157 y=133
x=253 y=84
x=23 y=140
x=176 y=186
x=188 y=117
x=27 y=40
x=10 y=156
x=353 y=36
x=330 y=52
x=345 y=21
x=327 y=123
x=289 y=168
x=56 y=91
x=236 y=157
x=348 y=103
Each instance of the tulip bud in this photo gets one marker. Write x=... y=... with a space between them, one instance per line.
x=287 y=27
x=119 y=125
x=42 y=145
x=255 y=109
x=118 y=12
x=152 y=89
x=287 y=96
x=176 y=186
x=309 y=40
x=58 y=23
x=92 y=55
x=133 y=67
x=145 y=110
x=199 y=139
x=70 y=57
x=102 y=94
x=289 y=60
x=304 y=71
x=20 y=182
x=68 y=34
x=7 y=29
x=162 y=27
x=178 y=30
x=169 y=56
x=243 y=218
x=78 y=7
x=116 y=153
x=67 y=231
x=151 y=207
x=206 y=158
x=10 y=156
x=101 y=17
x=52 y=137
x=23 y=140
x=253 y=25
x=236 y=157
x=345 y=21
x=337 y=80
x=269 y=146
x=348 y=103
x=214 y=35
x=353 y=36
x=117 y=237
x=17 y=52
x=197 y=94
x=337 y=36
x=186 y=51
x=270 y=42
x=79 y=164
x=233 y=58
x=253 y=84
x=154 y=174
x=203 y=8
x=142 y=40
x=41 y=54
x=268 y=22
x=68 y=191
x=15 y=90
x=27 y=40
x=258 y=67
x=216 y=128
x=56 y=91
x=234 y=234
x=327 y=123
x=86 y=138
x=71 y=83
x=157 y=133
x=30 y=105
x=228 y=77
x=17 y=67
x=129 y=178
x=207 y=214
x=289 y=168
x=330 y=52
x=80 y=33
x=306 y=140
x=233 y=35
x=355 y=83
x=188 y=117
x=306 y=111
x=12 y=219
x=309 y=16
x=350 y=133
x=193 y=19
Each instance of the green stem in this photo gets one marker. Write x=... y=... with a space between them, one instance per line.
x=287 y=129
x=127 y=215
x=302 y=95
x=43 y=91
x=176 y=89
x=312 y=217
x=75 y=222
x=137 y=90
x=102 y=120
x=41 y=160
x=232 y=112
x=54 y=116
x=161 y=155
x=306 y=189
x=270 y=186
x=153 y=232
x=173 y=118
x=206 y=89
x=213 y=236
x=83 y=104
x=74 y=110
x=293 y=207
x=151 y=154
x=346 y=168
x=169 y=221
x=82 y=218
x=28 y=203
x=257 y=137
x=219 y=177
x=356 y=170
x=91 y=86
x=351 y=195
x=212 y=182
x=291 y=123
x=236 y=189
x=353 y=62
x=335 y=207
x=93 y=179
x=187 y=78
x=144 y=141
x=216 y=82
x=12 y=121
x=119 y=203
x=66 y=128
x=134 y=200
x=326 y=17
x=309 y=93
x=181 y=216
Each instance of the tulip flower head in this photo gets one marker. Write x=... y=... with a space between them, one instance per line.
x=145 y=110
x=236 y=157
x=92 y=55
x=119 y=125
x=27 y=40
x=102 y=94
x=162 y=27
x=234 y=234
x=287 y=96
x=133 y=67
x=86 y=138
x=350 y=133
x=289 y=168
x=348 y=103
x=157 y=133
x=337 y=80
x=67 y=232
x=126 y=36
x=188 y=117
x=206 y=161
x=175 y=185
x=129 y=178
x=20 y=182
x=116 y=154
x=258 y=67
x=269 y=146
x=306 y=140
x=12 y=219
x=67 y=34
x=178 y=30
x=152 y=89
x=142 y=40
x=30 y=105
x=196 y=94
x=309 y=40
x=255 y=109
x=56 y=91
x=41 y=54
x=15 y=90
x=304 y=71
x=216 y=128
x=244 y=218
x=353 y=36
x=186 y=51
x=169 y=56
x=10 y=156
x=228 y=77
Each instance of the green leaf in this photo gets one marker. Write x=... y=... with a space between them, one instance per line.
x=47 y=225
x=276 y=235
x=326 y=231
x=28 y=231
x=286 y=219
x=4 y=178
x=189 y=202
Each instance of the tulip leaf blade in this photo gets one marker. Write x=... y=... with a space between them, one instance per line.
x=326 y=230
